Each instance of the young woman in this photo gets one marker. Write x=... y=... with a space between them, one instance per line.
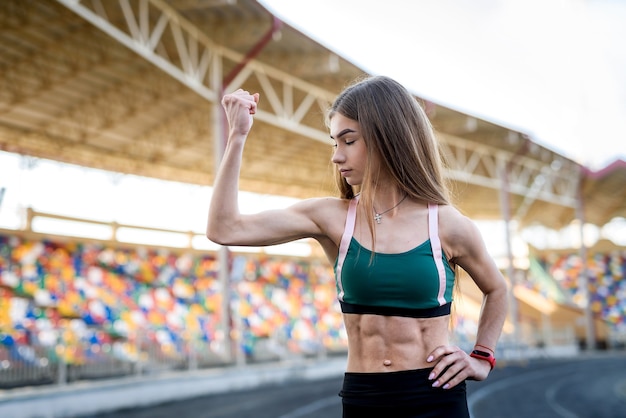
x=394 y=239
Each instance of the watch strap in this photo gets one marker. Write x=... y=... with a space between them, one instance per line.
x=484 y=355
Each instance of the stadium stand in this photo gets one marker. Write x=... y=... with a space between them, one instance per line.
x=96 y=310
x=104 y=310
x=607 y=286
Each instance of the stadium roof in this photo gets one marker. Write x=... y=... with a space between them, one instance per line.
x=134 y=87
x=605 y=192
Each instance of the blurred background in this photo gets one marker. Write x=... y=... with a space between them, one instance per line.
x=111 y=130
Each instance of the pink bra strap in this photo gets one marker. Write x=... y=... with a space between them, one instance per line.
x=433 y=232
x=345 y=242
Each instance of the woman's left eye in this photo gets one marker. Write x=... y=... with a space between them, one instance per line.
x=350 y=142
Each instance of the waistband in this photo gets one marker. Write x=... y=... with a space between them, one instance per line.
x=405 y=387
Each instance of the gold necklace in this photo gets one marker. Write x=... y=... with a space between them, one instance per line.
x=379 y=216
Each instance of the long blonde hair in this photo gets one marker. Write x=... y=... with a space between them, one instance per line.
x=395 y=127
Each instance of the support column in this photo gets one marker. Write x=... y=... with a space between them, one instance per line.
x=219 y=133
x=231 y=320
x=505 y=207
x=590 y=334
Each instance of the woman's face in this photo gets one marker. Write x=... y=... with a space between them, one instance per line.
x=350 y=154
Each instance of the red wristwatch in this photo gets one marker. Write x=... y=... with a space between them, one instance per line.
x=483 y=355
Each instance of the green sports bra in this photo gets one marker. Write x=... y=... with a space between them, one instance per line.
x=417 y=283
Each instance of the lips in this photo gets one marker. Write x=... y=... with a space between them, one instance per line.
x=344 y=172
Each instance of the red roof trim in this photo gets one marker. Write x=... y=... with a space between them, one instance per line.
x=615 y=165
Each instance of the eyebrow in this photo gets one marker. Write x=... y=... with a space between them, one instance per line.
x=342 y=133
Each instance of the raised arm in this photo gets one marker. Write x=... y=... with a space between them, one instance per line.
x=226 y=225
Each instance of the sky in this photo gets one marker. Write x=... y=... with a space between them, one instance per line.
x=554 y=69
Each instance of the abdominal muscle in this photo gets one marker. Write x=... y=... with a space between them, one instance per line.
x=391 y=343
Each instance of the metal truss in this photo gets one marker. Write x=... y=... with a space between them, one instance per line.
x=155 y=31
x=555 y=181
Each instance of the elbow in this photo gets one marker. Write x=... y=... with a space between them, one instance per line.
x=214 y=235
x=217 y=239
x=499 y=296
x=497 y=292
x=219 y=234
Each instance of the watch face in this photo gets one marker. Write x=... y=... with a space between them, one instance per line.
x=482 y=353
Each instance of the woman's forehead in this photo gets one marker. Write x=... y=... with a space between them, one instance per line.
x=341 y=125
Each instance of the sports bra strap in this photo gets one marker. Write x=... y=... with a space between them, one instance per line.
x=345 y=240
x=435 y=243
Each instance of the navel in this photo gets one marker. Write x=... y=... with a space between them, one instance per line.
x=386 y=362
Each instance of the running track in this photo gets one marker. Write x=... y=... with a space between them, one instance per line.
x=585 y=387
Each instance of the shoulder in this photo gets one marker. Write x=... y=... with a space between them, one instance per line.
x=329 y=215
x=452 y=221
x=458 y=233
x=327 y=212
x=322 y=205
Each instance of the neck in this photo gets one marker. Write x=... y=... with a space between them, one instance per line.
x=378 y=215
x=386 y=200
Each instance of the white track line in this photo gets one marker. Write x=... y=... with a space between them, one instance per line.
x=508 y=382
x=312 y=407
x=551 y=399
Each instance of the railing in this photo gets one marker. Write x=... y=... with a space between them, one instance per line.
x=110 y=231
x=36 y=364
x=127 y=234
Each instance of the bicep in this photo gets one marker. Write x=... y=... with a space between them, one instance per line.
x=271 y=227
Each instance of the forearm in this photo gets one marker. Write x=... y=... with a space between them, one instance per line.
x=492 y=317
x=224 y=206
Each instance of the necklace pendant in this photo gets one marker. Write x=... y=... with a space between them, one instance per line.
x=379 y=216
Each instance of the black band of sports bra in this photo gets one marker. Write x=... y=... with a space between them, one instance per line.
x=351 y=308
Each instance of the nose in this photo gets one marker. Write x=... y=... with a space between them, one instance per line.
x=338 y=156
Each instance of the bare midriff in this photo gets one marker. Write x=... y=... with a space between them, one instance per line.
x=391 y=343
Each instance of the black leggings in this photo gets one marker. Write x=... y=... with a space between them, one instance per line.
x=404 y=394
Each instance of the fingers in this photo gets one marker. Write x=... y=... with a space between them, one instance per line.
x=452 y=366
x=441 y=351
x=239 y=108
x=255 y=97
x=243 y=98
